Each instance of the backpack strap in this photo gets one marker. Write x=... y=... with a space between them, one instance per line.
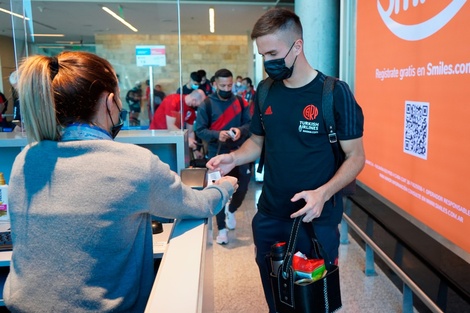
x=262 y=92
x=263 y=89
x=328 y=111
x=329 y=117
x=208 y=103
x=240 y=101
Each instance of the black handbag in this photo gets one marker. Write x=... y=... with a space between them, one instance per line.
x=199 y=163
x=303 y=296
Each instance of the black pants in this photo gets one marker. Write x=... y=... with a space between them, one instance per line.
x=243 y=173
x=267 y=231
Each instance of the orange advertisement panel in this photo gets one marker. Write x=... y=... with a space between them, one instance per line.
x=413 y=83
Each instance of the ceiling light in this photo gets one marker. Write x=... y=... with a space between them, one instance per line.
x=51 y=47
x=68 y=42
x=48 y=35
x=120 y=19
x=14 y=14
x=211 y=20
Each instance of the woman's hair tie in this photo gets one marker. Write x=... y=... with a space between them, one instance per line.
x=54 y=67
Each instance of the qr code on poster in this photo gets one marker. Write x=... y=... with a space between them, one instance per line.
x=416 y=129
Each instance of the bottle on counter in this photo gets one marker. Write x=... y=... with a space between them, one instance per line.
x=4 y=210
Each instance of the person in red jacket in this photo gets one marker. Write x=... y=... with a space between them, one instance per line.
x=168 y=115
x=248 y=93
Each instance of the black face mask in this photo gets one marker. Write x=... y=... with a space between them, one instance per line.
x=117 y=128
x=277 y=69
x=225 y=94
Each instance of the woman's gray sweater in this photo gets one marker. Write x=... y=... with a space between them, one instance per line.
x=81 y=224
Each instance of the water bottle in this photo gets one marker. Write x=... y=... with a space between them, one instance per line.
x=278 y=250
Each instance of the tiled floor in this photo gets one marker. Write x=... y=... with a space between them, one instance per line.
x=238 y=288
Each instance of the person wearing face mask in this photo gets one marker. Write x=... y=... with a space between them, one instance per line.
x=205 y=85
x=222 y=122
x=193 y=84
x=81 y=204
x=213 y=85
x=300 y=174
x=238 y=87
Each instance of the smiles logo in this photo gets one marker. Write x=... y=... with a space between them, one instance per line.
x=421 y=30
x=310 y=112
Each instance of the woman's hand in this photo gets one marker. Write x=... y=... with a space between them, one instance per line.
x=232 y=180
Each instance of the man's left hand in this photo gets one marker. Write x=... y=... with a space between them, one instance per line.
x=236 y=133
x=314 y=204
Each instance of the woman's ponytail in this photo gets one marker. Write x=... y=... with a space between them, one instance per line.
x=36 y=95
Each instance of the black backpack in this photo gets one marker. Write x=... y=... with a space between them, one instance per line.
x=328 y=117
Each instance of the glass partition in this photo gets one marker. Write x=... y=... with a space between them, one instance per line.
x=170 y=40
x=140 y=39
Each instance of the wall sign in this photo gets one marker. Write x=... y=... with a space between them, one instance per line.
x=150 y=55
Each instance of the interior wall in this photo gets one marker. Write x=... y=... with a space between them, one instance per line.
x=208 y=52
x=7 y=66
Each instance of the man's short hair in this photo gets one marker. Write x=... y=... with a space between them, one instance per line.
x=223 y=72
x=277 y=19
x=248 y=80
x=195 y=77
x=202 y=73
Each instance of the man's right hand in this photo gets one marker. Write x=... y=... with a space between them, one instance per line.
x=222 y=162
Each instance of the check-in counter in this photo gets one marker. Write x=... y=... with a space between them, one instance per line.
x=11 y=145
x=170 y=146
x=185 y=281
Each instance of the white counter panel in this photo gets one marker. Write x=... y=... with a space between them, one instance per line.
x=184 y=281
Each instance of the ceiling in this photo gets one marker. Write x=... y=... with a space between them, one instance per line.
x=81 y=20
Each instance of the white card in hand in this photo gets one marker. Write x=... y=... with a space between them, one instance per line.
x=212 y=177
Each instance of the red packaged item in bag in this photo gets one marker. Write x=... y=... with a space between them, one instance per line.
x=307 y=268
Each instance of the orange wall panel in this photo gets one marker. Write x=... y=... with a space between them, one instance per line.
x=413 y=82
